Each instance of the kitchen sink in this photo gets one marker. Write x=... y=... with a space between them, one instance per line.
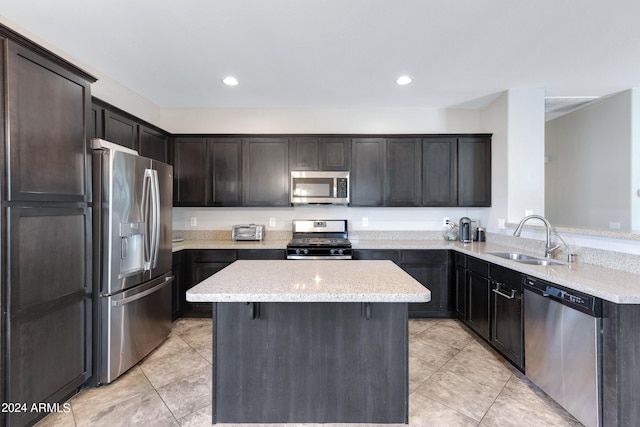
x=525 y=259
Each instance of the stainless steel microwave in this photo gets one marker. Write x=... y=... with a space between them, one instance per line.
x=320 y=187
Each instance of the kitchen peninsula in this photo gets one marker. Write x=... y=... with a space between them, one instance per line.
x=310 y=341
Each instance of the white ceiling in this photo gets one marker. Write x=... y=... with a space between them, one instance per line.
x=344 y=53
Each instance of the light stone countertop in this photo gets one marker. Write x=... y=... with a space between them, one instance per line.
x=310 y=281
x=613 y=285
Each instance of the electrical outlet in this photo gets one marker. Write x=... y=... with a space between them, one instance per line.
x=272 y=222
x=365 y=222
x=614 y=225
x=445 y=221
x=194 y=221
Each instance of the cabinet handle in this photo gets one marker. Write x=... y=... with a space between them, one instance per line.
x=254 y=310
x=498 y=291
x=366 y=310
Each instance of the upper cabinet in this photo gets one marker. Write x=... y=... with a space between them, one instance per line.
x=441 y=171
x=319 y=153
x=420 y=170
x=402 y=181
x=456 y=171
x=154 y=144
x=114 y=125
x=47 y=112
x=265 y=171
x=368 y=171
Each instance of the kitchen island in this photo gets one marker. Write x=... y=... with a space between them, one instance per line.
x=310 y=341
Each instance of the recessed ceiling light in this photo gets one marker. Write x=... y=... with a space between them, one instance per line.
x=230 y=81
x=404 y=80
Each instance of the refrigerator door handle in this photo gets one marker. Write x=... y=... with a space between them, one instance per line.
x=143 y=294
x=147 y=189
x=155 y=201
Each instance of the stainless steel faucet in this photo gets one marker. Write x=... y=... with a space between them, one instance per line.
x=548 y=248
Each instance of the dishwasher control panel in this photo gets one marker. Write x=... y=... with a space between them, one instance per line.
x=575 y=299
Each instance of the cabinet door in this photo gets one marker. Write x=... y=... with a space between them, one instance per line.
x=49 y=307
x=154 y=145
x=403 y=172
x=478 y=290
x=95 y=128
x=474 y=171
x=48 y=108
x=461 y=292
x=304 y=154
x=190 y=172
x=439 y=171
x=335 y=154
x=266 y=172
x=367 y=172
x=431 y=269
x=507 y=324
x=225 y=171
x=120 y=130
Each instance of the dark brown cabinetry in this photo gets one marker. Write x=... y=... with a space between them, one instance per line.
x=265 y=172
x=120 y=129
x=488 y=298
x=196 y=265
x=368 y=171
x=456 y=171
x=225 y=171
x=114 y=125
x=478 y=297
x=319 y=153
x=432 y=268
x=190 y=172
x=154 y=144
x=507 y=321
x=402 y=182
x=46 y=230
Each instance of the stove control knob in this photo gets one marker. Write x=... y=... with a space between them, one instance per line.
x=298 y=251
x=332 y=251
x=306 y=251
x=340 y=251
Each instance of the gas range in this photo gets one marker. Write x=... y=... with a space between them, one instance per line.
x=319 y=239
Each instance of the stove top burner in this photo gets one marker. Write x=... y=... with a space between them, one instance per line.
x=319 y=241
x=313 y=239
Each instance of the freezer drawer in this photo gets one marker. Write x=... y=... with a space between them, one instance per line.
x=133 y=323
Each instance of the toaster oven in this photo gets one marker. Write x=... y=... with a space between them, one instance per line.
x=247 y=232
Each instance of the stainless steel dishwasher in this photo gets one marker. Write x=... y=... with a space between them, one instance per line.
x=563 y=347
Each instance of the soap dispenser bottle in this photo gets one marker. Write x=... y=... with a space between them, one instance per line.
x=465 y=230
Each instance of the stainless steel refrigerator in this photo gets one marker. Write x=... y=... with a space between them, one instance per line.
x=132 y=211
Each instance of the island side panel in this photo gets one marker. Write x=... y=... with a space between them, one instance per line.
x=310 y=363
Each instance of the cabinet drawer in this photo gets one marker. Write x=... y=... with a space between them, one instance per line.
x=374 y=254
x=268 y=254
x=215 y=255
x=478 y=266
x=460 y=260
x=505 y=275
x=424 y=256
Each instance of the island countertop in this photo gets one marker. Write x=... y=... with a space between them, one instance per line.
x=310 y=281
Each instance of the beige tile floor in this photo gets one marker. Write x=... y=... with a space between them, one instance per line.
x=455 y=380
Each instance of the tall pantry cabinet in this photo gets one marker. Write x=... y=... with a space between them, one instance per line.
x=46 y=273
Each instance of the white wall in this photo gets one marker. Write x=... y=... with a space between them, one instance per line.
x=635 y=159
x=589 y=165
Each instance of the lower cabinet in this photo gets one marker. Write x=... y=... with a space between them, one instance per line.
x=488 y=299
x=478 y=299
x=191 y=267
x=507 y=319
x=432 y=268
